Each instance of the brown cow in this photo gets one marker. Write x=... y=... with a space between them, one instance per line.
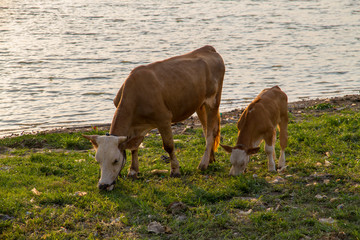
x=156 y=95
x=258 y=122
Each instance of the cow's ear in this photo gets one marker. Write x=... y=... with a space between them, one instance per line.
x=227 y=148
x=121 y=139
x=93 y=139
x=132 y=143
x=251 y=151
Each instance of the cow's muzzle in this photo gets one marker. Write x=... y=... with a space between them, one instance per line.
x=107 y=187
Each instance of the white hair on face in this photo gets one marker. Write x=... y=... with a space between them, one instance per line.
x=110 y=159
x=239 y=160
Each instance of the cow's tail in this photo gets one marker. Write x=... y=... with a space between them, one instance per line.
x=217 y=133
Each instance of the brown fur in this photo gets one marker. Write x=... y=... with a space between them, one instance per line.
x=262 y=115
x=168 y=91
x=258 y=122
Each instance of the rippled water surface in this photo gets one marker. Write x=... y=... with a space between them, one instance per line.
x=62 y=62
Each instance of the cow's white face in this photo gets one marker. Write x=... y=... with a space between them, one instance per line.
x=239 y=160
x=111 y=159
x=111 y=156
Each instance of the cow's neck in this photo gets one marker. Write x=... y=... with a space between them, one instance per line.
x=121 y=123
x=247 y=138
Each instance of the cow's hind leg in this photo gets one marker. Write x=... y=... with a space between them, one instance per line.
x=212 y=137
x=168 y=144
x=201 y=112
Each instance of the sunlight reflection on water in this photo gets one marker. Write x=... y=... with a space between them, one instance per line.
x=62 y=62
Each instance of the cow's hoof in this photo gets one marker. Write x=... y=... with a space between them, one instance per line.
x=175 y=174
x=202 y=167
x=133 y=175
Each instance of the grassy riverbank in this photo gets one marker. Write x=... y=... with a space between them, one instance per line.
x=48 y=187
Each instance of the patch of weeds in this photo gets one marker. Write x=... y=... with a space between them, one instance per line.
x=207 y=196
x=309 y=222
x=322 y=106
x=352 y=215
x=19 y=152
x=40 y=158
x=249 y=185
x=74 y=142
x=54 y=140
x=239 y=203
x=28 y=142
x=291 y=234
x=263 y=218
x=4 y=225
x=51 y=170
x=59 y=199
x=351 y=137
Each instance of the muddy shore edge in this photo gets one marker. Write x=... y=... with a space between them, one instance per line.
x=297 y=109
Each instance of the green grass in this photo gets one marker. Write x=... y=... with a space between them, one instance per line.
x=322 y=181
x=322 y=106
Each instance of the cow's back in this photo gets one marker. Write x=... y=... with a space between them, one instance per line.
x=179 y=85
x=275 y=102
x=266 y=110
x=175 y=87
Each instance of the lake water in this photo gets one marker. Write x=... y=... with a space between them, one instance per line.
x=62 y=61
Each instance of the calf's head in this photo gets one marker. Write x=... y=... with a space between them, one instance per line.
x=239 y=157
x=111 y=155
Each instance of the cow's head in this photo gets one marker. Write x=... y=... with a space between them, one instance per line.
x=239 y=157
x=111 y=155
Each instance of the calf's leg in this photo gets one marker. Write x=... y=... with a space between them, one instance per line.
x=270 y=151
x=283 y=143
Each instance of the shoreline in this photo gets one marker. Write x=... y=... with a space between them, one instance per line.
x=296 y=108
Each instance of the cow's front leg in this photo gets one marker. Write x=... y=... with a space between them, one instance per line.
x=168 y=144
x=134 y=168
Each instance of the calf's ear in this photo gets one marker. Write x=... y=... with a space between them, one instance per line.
x=93 y=139
x=251 y=151
x=132 y=143
x=227 y=148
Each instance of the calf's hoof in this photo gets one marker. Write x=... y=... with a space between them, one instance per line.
x=272 y=169
x=282 y=169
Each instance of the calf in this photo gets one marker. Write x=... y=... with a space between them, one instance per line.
x=156 y=95
x=258 y=122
